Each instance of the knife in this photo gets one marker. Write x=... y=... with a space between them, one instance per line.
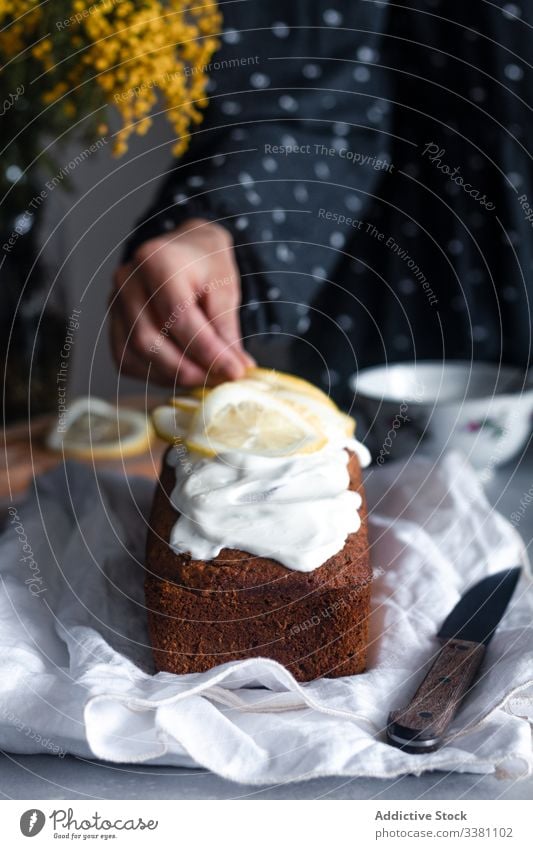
x=464 y=634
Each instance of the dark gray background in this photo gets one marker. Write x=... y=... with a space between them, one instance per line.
x=107 y=197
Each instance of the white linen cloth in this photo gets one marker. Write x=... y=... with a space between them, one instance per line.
x=75 y=667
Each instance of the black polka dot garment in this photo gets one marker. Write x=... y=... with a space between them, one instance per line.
x=372 y=165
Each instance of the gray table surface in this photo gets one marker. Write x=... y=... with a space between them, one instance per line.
x=48 y=777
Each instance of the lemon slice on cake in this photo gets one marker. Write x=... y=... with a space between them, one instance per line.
x=92 y=429
x=171 y=422
x=200 y=392
x=280 y=381
x=187 y=403
x=334 y=422
x=237 y=417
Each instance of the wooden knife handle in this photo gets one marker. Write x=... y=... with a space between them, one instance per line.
x=420 y=726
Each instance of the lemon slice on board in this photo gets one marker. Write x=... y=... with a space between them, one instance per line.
x=279 y=381
x=171 y=422
x=235 y=417
x=93 y=429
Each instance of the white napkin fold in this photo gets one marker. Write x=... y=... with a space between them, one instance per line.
x=76 y=672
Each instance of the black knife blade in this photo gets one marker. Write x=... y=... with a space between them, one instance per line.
x=478 y=612
x=465 y=634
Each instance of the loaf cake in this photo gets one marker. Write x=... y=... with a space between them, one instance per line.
x=209 y=601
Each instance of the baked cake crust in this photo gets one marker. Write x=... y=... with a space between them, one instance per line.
x=238 y=605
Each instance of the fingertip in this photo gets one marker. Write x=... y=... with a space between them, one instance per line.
x=229 y=368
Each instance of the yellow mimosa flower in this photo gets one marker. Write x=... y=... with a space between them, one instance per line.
x=125 y=54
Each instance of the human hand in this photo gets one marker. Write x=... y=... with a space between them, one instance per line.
x=175 y=308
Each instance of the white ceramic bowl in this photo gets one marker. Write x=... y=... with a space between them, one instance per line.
x=482 y=409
